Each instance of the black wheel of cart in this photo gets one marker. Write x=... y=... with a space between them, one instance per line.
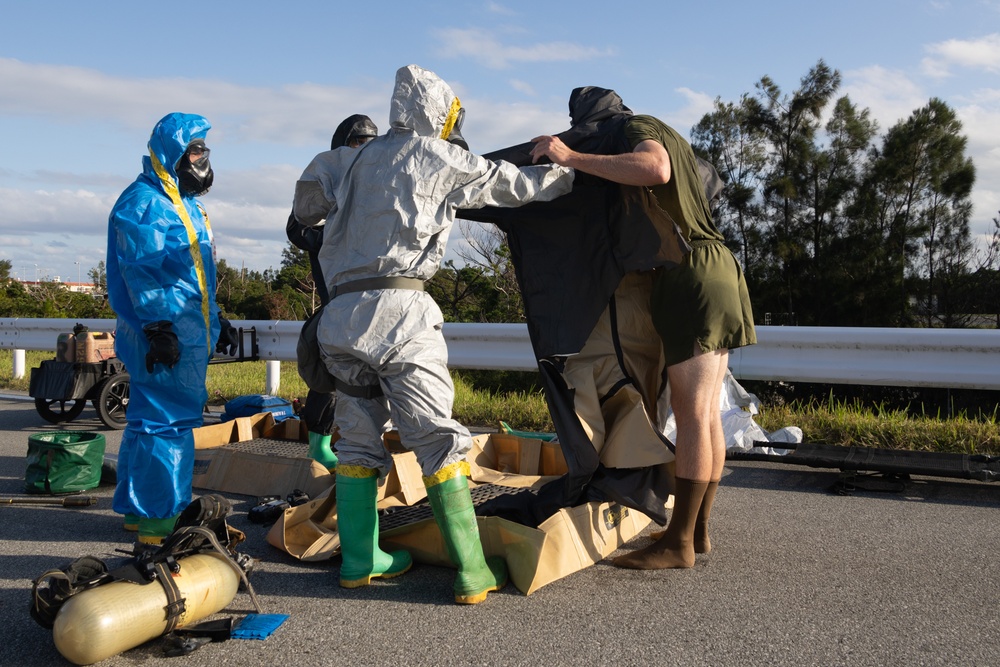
x=57 y=410
x=112 y=401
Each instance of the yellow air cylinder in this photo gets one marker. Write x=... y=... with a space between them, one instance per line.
x=104 y=621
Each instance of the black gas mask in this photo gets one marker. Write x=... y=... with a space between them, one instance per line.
x=357 y=129
x=194 y=171
x=455 y=136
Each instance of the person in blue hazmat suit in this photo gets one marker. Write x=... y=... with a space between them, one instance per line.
x=389 y=207
x=161 y=285
x=353 y=131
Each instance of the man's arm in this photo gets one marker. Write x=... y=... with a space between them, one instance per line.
x=648 y=163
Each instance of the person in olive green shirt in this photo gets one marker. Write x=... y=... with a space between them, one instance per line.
x=701 y=310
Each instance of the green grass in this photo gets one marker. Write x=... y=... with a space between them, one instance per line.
x=483 y=398
x=837 y=422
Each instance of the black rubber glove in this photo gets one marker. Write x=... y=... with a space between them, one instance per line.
x=163 y=348
x=229 y=340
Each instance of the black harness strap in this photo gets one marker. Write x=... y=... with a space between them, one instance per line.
x=380 y=282
x=175 y=603
x=357 y=391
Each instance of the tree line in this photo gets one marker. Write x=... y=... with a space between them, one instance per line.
x=465 y=294
x=834 y=223
x=837 y=225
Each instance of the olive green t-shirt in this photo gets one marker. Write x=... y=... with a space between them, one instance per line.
x=683 y=196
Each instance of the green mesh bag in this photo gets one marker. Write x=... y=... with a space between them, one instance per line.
x=64 y=462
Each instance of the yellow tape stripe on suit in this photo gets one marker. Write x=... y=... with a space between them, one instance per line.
x=449 y=121
x=170 y=187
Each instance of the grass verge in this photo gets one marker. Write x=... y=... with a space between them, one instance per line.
x=484 y=398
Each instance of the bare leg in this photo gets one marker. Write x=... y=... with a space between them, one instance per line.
x=700 y=448
x=702 y=543
x=694 y=398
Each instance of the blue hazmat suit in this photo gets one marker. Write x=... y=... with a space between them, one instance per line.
x=161 y=266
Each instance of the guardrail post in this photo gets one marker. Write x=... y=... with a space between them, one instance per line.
x=19 y=364
x=272 y=377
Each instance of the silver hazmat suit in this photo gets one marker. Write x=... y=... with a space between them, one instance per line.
x=389 y=207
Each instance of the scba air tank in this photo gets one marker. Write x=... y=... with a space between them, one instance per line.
x=104 y=621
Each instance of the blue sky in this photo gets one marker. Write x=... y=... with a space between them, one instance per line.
x=82 y=84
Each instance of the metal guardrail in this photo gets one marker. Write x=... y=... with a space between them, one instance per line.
x=952 y=358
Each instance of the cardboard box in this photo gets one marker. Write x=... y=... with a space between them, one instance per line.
x=568 y=541
x=254 y=456
x=309 y=531
x=571 y=539
x=510 y=460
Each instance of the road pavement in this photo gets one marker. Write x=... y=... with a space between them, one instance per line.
x=798 y=576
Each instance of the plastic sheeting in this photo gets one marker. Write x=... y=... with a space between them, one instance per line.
x=743 y=434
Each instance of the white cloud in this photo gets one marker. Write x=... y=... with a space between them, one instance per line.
x=979 y=123
x=483 y=47
x=890 y=94
x=50 y=219
x=18 y=241
x=493 y=125
x=698 y=104
x=268 y=185
x=28 y=213
x=294 y=114
x=978 y=54
x=497 y=8
x=522 y=87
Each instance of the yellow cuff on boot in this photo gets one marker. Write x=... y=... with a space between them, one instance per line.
x=357 y=472
x=448 y=472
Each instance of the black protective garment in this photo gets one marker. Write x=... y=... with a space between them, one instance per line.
x=318 y=410
x=309 y=239
x=569 y=255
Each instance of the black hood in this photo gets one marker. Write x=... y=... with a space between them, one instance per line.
x=353 y=127
x=591 y=104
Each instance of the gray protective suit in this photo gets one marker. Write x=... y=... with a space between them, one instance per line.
x=389 y=207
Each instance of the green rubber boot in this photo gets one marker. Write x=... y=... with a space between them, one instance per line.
x=320 y=450
x=131 y=523
x=357 y=523
x=154 y=531
x=448 y=492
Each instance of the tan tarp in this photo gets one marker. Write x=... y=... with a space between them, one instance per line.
x=568 y=541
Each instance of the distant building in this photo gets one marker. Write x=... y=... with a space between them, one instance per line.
x=83 y=288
